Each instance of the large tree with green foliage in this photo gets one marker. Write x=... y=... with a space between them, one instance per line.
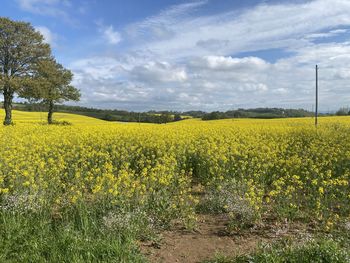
x=21 y=47
x=50 y=84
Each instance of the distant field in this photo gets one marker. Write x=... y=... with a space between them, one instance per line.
x=87 y=191
x=26 y=116
x=41 y=117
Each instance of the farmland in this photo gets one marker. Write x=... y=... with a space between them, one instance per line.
x=89 y=190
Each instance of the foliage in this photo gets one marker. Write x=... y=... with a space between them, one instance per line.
x=343 y=111
x=262 y=113
x=108 y=115
x=177 y=117
x=170 y=116
x=51 y=84
x=21 y=47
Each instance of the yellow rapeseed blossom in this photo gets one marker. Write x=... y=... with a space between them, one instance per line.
x=282 y=161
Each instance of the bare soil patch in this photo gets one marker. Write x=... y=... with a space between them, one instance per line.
x=211 y=237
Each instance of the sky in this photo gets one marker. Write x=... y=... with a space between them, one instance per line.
x=197 y=55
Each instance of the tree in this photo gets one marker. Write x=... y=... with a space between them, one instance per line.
x=215 y=115
x=50 y=84
x=165 y=118
x=177 y=117
x=21 y=47
x=343 y=111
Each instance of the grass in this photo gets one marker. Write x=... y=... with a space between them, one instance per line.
x=80 y=237
x=322 y=250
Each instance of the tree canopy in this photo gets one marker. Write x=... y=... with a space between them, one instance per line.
x=28 y=69
x=50 y=84
x=21 y=47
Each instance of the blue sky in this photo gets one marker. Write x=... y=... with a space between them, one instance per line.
x=197 y=55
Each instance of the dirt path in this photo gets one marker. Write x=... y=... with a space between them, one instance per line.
x=211 y=238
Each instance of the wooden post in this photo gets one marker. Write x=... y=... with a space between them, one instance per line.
x=316 y=106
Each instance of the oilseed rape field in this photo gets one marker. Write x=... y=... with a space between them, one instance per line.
x=90 y=190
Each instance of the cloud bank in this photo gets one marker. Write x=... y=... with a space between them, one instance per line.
x=182 y=59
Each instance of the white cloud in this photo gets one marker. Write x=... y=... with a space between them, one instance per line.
x=180 y=60
x=49 y=37
x=159 y=26
x=229 y=63
x=55 y=8
x=60 y=9
x=258 y=28
x=219 y=82
x=159 y=72
x=109 y=34
x=98 y=68
x=331 y=33
x=253 y=87
x=112 y=36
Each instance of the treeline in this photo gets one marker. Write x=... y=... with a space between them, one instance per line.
x=111 y=115
x=262 y=113
x=344 y=111
x=168 y=116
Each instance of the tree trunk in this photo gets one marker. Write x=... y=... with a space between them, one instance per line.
x=8 y=97
x=49 y=115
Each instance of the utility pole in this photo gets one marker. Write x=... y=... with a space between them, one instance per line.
x=316 y=106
